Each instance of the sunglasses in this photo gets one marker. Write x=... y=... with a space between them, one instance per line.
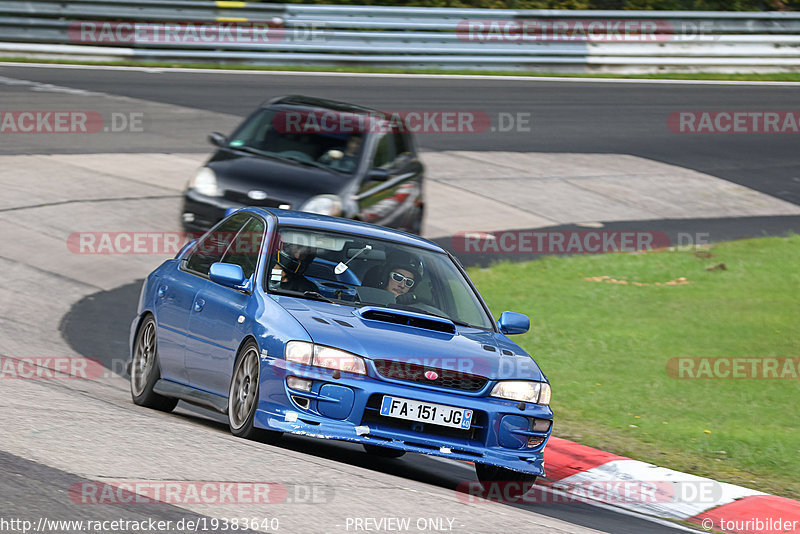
x=397 y=277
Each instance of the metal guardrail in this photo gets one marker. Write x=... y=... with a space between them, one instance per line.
x=300 y=34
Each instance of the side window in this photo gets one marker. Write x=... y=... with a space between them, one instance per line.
x=385 y=152
x=246 y=246
x=212 y=247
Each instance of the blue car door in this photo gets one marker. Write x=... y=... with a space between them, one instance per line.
x=174 y=297
x=187 y=282
x=220 y=319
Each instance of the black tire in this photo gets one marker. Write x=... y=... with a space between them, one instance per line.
x=383 y=452
x=499 y=481
x=243 y=396
x=145 y=369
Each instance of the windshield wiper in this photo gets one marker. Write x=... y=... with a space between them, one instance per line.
x=317 y=295
x=257 y=152
x=306 y=162
x=411 y=307
x=273 y=155
x=458 y=323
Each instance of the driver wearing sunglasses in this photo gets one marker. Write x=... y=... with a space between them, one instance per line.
x=400 y=281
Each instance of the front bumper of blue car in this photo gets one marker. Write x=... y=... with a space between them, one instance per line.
x=348 y=408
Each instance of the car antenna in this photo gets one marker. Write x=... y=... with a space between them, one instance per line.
x=342 y=267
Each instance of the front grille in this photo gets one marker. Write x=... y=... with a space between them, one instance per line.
x=416 y=373
x=476 y=432
x=241 y=198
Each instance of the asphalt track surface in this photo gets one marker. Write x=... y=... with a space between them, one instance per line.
x=33 y=491
x=567 y=117
x=618 y=118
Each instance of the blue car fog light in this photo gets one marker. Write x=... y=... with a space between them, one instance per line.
x=300 y=384
x=540 y=425
x=341 y=402
x=513 y=430
x=534 y=441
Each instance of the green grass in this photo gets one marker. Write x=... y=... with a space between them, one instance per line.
x=770 y=77
x=605 y=348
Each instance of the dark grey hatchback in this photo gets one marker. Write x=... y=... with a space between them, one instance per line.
x=313 y=155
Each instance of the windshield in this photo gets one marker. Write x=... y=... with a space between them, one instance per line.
x=288 y=135
x=359 y=271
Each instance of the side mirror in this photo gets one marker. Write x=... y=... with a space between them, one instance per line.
x=378 y=175
x=217 y=139
x=227 y=274
x=513 y=323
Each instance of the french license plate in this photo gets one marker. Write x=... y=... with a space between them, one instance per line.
x=426 y=412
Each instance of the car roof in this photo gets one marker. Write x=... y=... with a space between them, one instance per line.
x=310 y=102
x=347 y=226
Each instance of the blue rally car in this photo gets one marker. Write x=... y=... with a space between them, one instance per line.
x=319 y=326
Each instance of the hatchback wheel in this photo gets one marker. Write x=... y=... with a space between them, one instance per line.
x=145 y=370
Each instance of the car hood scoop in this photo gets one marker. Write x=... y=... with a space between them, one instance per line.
x=416 y=320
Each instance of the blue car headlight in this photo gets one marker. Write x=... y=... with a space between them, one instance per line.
x=522 y=390
x=307 y=353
